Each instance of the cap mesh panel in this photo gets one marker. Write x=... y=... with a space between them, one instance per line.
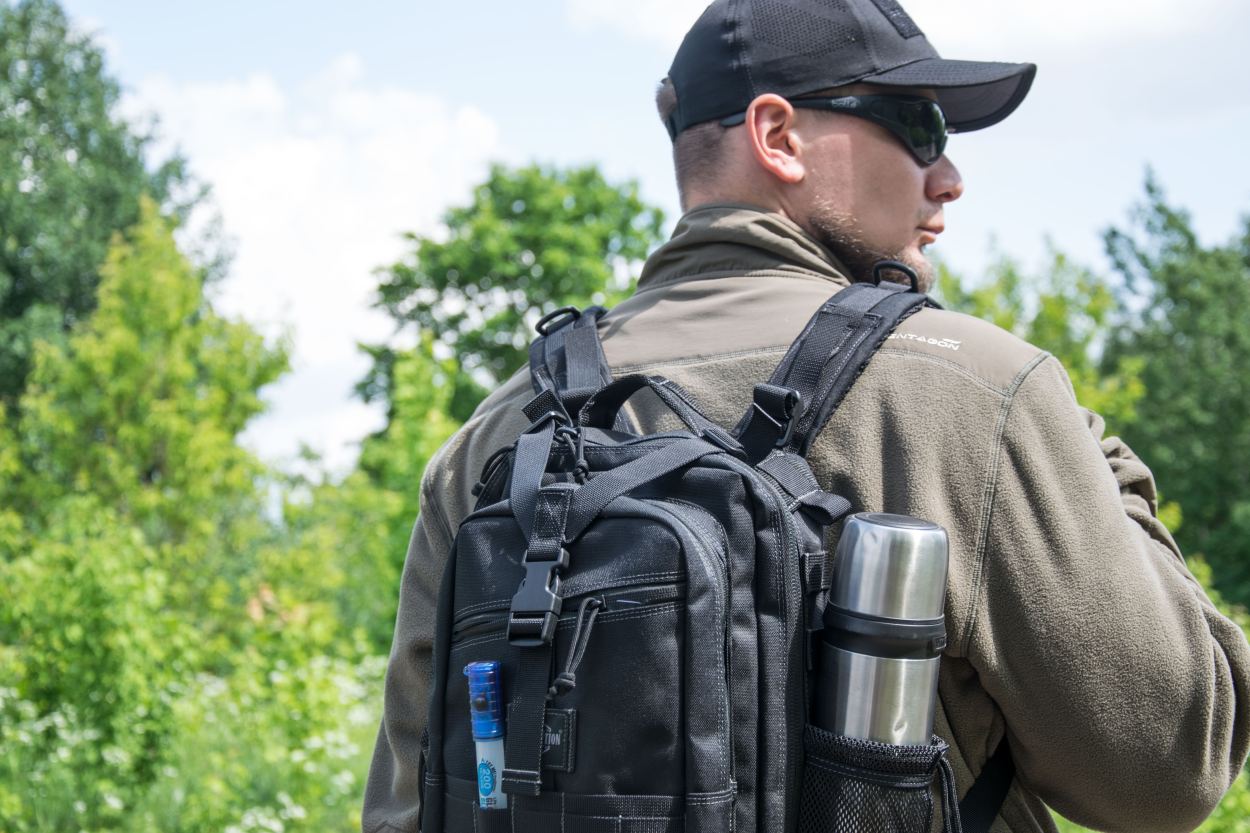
x=800 y=32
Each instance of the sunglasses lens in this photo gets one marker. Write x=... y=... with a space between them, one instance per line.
x=918 y=122
x=923 y=127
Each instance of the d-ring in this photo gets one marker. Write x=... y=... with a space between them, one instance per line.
x=895 y=266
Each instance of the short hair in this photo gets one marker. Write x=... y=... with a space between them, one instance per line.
x=697 y=150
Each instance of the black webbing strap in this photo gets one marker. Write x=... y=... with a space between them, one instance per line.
x=567 y=357
x=561 y=362
x=533 y=449
x=531 y=630
x=595 y=495
x=822 y=364
x=982 y=802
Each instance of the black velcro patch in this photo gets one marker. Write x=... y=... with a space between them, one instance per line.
x=901 y=19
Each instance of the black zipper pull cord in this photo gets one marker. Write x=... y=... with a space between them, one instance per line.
x=571 y=436
x=566 y=680
x=581 y=469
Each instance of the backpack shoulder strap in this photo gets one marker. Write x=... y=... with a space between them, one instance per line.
x=984 y=799
x=822 y=364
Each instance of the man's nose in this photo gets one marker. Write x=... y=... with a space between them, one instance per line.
x=944 y=184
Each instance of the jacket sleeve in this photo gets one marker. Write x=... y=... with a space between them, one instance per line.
x=1124 y=691
x=392 y=792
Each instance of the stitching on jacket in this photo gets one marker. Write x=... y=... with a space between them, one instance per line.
x=675 y=277
x=428 y=500
x=987 y=501
x=698 y=360
x=955 y=366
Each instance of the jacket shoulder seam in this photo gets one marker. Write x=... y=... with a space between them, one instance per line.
x=987 y=498
x=955 y=366
x=681 y=277
x=693 y=361
x=430 y=502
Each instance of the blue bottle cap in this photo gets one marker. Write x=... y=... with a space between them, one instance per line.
x=485 y=699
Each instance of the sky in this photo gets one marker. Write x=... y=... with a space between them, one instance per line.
x=328 y=130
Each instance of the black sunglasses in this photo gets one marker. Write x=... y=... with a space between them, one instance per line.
x=917 y=121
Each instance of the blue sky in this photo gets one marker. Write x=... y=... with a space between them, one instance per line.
x=327 y=129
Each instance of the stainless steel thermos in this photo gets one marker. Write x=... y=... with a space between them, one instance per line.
x=884 y=630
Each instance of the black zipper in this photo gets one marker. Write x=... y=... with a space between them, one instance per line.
x=626 y=598
x=722 y=556
x=796 y=701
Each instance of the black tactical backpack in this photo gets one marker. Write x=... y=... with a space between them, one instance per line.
x=652 y=601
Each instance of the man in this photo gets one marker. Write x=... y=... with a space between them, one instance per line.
x=808 y=142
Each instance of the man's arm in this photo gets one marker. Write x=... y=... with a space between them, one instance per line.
x=392 y=793
x=1126 y=695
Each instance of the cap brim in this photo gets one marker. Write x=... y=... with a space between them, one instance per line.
x=973 y=94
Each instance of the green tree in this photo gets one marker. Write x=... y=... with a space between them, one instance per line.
x=72 y=173
x=532 y=240
x=355 y=531
x=172 y=659
x=1186 y=312
x=141 y=409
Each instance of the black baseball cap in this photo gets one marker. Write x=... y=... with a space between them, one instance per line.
x=739 y=49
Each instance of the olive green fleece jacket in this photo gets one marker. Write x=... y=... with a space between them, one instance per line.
x=1075 y=627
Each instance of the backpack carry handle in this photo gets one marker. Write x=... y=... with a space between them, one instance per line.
x=601 y=410
x=602 y=407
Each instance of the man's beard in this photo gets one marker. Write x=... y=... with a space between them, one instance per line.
x=840 y=235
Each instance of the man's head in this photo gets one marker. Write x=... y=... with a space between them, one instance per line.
x=824 y=111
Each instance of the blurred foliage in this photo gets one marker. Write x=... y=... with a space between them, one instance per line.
x=532 y=240
x=141 y=408
x=72 y=174
x=1187 y=308
x=161 y=666
x=368 y=515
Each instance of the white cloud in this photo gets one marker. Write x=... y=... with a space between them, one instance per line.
x=662 y=21
x=86 y=26
x=315 y=182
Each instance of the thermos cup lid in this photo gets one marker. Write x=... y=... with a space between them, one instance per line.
x=892 y=566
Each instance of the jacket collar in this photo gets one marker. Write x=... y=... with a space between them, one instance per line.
x=733 y=240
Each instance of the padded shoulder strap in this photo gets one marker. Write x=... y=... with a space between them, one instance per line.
x=821 y=366
x=981 y=804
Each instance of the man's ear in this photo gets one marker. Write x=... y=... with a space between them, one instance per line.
x=775 y=144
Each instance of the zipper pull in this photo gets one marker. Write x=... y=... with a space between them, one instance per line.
x=566 y=680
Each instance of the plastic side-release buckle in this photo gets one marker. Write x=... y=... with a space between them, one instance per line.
x=537 y=603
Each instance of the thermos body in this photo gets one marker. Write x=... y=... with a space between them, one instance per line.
x=884 y=630
x=887 y=700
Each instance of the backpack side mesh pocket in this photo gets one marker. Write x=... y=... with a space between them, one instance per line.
x=861 y=786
